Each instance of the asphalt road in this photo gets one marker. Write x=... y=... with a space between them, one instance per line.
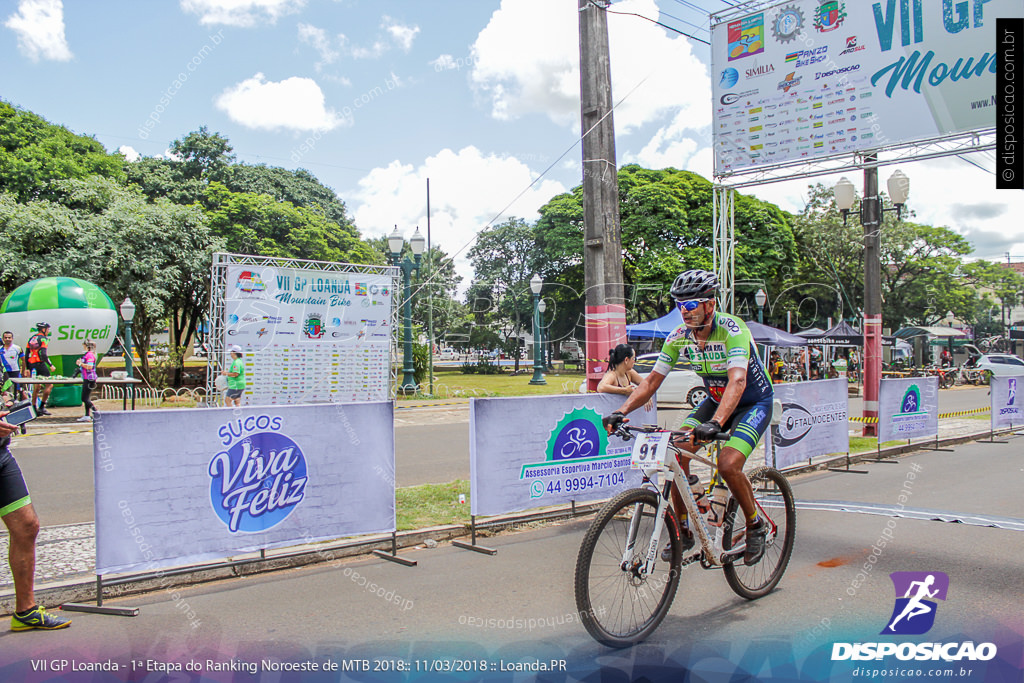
x=518 y=605
x=431 y=446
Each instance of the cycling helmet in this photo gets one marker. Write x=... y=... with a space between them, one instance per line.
x=40 y=326
x=694 y=284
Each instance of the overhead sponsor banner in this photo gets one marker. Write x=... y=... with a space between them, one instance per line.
x=908 y=408
x=815 y=421
x=309 y=335
x=1007 y=403
x=177 y=487
x=547 y=450
x=809 y=78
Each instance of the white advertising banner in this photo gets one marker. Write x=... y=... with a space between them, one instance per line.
x=547 y=450
x=1007 y=410
x=805 y=79
x=310 y=335
x=815 y=421
x=177 y=487
x=908 y=408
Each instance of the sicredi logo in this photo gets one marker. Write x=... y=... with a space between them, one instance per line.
x=260 y=478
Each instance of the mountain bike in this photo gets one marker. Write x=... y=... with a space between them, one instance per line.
x=624 y=588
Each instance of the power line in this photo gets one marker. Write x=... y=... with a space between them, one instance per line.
x=653 y=21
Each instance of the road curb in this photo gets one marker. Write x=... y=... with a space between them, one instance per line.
x=84 y=590
x=81 y=590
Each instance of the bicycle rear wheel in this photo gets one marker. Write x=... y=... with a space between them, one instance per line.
x=775 y=501
x=617 y=605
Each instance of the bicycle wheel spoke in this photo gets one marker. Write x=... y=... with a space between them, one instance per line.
x=621 y=606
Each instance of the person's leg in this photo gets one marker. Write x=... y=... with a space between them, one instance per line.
x=87 y=387
x=23 y=525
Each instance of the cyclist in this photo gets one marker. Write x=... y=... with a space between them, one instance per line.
x=36 y=359
x=722 y=352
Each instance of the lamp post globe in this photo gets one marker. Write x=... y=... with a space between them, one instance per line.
x=127 y=309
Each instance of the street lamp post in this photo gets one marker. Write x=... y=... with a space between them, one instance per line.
x=870 y=214
x=760 y=299
x=538 y=375
x=542 y=306
x=416 y=244
x=128 y=314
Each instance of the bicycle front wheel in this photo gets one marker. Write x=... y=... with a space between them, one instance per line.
x=617 y=604
x=775 y=502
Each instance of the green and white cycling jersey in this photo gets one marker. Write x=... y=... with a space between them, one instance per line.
x=729 y=346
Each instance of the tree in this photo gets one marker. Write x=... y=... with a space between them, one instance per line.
x=504 y=259
x=202 y=154
x=258 y=224
x=158 y=253
x=920 y=276
x=34 y=152
x=666 y=218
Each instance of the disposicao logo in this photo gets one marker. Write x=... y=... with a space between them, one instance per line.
x=914 y=613
x=260 y=478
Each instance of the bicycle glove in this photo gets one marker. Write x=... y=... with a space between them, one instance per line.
x=707 y=431
x=612 y=422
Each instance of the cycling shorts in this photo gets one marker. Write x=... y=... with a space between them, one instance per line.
x=13 y=490
x=747 y=424
x=41 y=368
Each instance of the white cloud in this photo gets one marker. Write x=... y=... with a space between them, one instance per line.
x=395 y=34
x=542 y=75
x=129 y=153
x=317 y=37
x=403 y=35
x=40 y=28
x=241 y=12
x=444 y=63
x=294 y=103
x=467 y=190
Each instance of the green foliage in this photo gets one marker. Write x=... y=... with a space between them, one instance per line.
x=34 y=153
x=420 y=362
x=482 y=366
x=259 y=224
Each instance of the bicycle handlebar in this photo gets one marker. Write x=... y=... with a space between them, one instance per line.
x=624 y=430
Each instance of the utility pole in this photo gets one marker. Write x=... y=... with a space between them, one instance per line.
x=871 y=219
x=605 y=312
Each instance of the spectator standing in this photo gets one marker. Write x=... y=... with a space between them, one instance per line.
x=88 y=365
x=36 y=360
x=12 y=359
x=236 y=378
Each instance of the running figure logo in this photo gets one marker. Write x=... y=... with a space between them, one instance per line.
x=916 y=592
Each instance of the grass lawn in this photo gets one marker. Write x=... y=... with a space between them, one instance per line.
x=454 y=384
x=432 y=505
x=859 y=444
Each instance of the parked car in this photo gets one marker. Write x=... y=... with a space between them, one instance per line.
x=682 y=385
x=1001 y=364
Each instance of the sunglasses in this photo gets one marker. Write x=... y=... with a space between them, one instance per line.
x=690 y=304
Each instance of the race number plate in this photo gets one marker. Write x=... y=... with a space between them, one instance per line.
x=649 y=450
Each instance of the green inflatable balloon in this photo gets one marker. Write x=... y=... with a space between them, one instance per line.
x=76 y=310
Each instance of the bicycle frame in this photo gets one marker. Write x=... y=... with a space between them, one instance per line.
x=712 y=547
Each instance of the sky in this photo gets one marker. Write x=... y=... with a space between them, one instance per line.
x=481 y=97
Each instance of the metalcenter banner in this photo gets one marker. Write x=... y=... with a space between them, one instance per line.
x=815 y=421
x=805 y=79
x=908 y=408
x=177 y=487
